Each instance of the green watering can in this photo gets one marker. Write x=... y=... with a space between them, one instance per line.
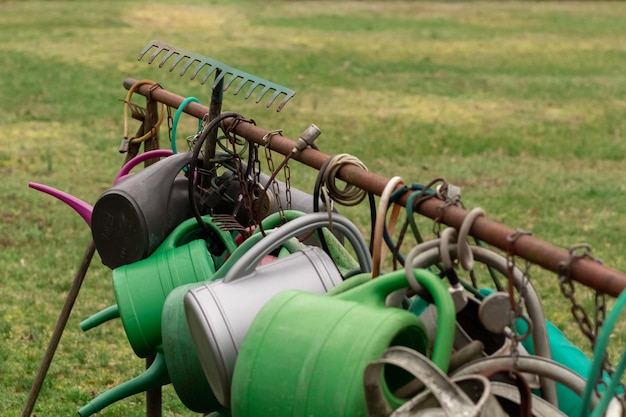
x=141 y=287
x=305 y=354
x=140 y=291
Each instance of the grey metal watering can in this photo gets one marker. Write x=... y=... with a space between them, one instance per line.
x=468 y=396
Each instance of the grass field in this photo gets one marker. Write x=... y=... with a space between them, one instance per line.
x=522 y=104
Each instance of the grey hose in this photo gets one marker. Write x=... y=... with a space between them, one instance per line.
x=541 y=341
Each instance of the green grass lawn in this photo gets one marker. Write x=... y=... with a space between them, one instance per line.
x=522 y=104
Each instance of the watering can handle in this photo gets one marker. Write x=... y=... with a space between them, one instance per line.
x=248 y=262
x=155 y=153
x=189 y=225
x=451 y=398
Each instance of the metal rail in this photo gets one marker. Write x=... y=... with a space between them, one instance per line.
x=546 y=255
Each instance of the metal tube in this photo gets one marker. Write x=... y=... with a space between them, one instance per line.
x=546 y=255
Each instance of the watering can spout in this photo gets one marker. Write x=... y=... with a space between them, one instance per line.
x=153 y=377
x=109 y=313
x=82 y=208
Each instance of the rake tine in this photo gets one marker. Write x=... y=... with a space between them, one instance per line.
x=176 y=61
x=255 y=84
x=187 y=65
x=232 y=78
x=208 y=74
x=282 y=103
x=165 y=58
x=197 y=70
x=240 y=86
x=272 y=99
x=262 y=93
x=145 y=49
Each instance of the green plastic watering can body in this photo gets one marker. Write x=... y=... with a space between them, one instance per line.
x=304 y=354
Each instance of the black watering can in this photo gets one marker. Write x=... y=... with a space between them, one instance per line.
x=132 y=218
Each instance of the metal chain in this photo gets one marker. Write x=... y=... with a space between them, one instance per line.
x=256 y=163
x=243 y=187
x=517 y=306
x=287 y=173
x=589 y=329
x=566 y=286
x=270 y=164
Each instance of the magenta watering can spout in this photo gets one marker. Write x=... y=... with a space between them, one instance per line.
x=82 y=208
x=153 y=377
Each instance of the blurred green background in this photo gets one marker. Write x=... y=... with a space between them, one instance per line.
x=522 y=104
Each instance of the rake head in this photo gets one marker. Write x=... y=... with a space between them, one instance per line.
x=188 y=59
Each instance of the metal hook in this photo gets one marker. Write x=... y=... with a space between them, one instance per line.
x=466 y=259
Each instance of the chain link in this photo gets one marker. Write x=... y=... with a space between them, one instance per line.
x=256 y=163
x=287 y=173
x=170 y=123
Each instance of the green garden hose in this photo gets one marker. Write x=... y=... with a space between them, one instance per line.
x=177 y=117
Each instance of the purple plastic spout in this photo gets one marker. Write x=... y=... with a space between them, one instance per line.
x=155 y=153
x=82 y=208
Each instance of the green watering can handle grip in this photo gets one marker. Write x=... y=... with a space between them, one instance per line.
x=248 y=262
x=376 y=291
x=190 y=225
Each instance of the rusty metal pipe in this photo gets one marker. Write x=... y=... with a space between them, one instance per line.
x=546 y=255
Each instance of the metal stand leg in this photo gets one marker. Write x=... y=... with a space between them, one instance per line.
x=58 y=330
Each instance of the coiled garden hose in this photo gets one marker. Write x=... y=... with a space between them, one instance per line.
x=326 y=179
